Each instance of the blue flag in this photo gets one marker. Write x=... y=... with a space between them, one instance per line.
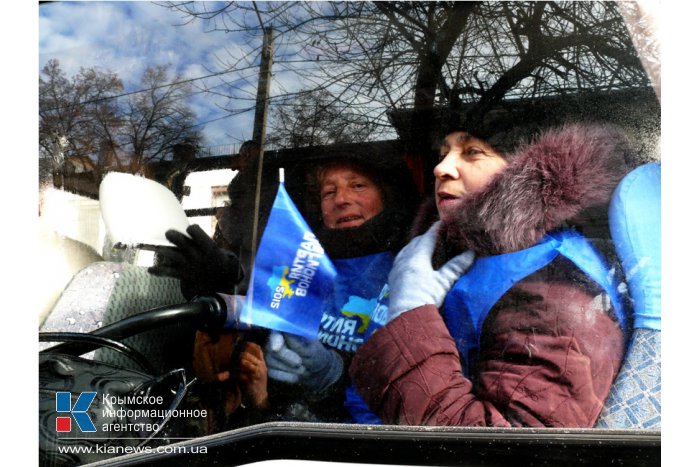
x=292 y=276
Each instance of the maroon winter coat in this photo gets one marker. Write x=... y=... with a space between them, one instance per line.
x=550 y=348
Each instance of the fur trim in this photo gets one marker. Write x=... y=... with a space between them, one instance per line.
x=548 y=182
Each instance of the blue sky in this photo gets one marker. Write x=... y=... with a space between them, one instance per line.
x=126 y=37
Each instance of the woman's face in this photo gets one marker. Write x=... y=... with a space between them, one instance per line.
x=467 y=164
x=348 y=198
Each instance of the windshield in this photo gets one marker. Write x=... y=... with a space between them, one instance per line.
x=407 y=213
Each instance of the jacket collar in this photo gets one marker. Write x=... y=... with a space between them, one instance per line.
x=384 y=232
x=562 y=175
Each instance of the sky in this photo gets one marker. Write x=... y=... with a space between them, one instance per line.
x=126 y=37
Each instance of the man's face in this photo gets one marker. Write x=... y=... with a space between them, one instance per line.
x=467 y=164
x=348 y=198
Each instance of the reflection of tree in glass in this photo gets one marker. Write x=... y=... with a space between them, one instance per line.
x=315 y=119
x=90 y=118
x=377 y=59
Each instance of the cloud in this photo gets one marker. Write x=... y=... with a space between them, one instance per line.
x=126 y=37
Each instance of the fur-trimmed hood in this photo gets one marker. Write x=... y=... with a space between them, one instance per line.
x=547 y=183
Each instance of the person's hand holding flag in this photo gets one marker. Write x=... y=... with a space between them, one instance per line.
x=293 y=359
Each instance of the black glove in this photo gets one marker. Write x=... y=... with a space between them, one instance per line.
x=202 y=267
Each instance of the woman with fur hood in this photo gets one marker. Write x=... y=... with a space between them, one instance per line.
x=533 y=333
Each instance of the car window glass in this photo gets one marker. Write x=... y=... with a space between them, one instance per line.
x=371 y=87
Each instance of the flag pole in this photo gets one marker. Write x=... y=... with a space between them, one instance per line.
x=261 y=104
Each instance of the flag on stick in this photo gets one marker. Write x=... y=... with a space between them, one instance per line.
x=292 y=276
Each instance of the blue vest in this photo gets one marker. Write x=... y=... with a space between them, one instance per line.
x=347 y=321
x=476 y=292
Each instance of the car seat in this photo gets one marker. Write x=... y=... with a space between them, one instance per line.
x=635 y=226
x=106 y=292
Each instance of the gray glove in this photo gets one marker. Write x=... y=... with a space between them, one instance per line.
x=293 y=359
x=413 y=282
x=282 y=364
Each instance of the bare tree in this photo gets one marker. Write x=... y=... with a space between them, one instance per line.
x=313 y=119
x=89 y=118
x=76 y=116
x=157 y=119
x=420 y=66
